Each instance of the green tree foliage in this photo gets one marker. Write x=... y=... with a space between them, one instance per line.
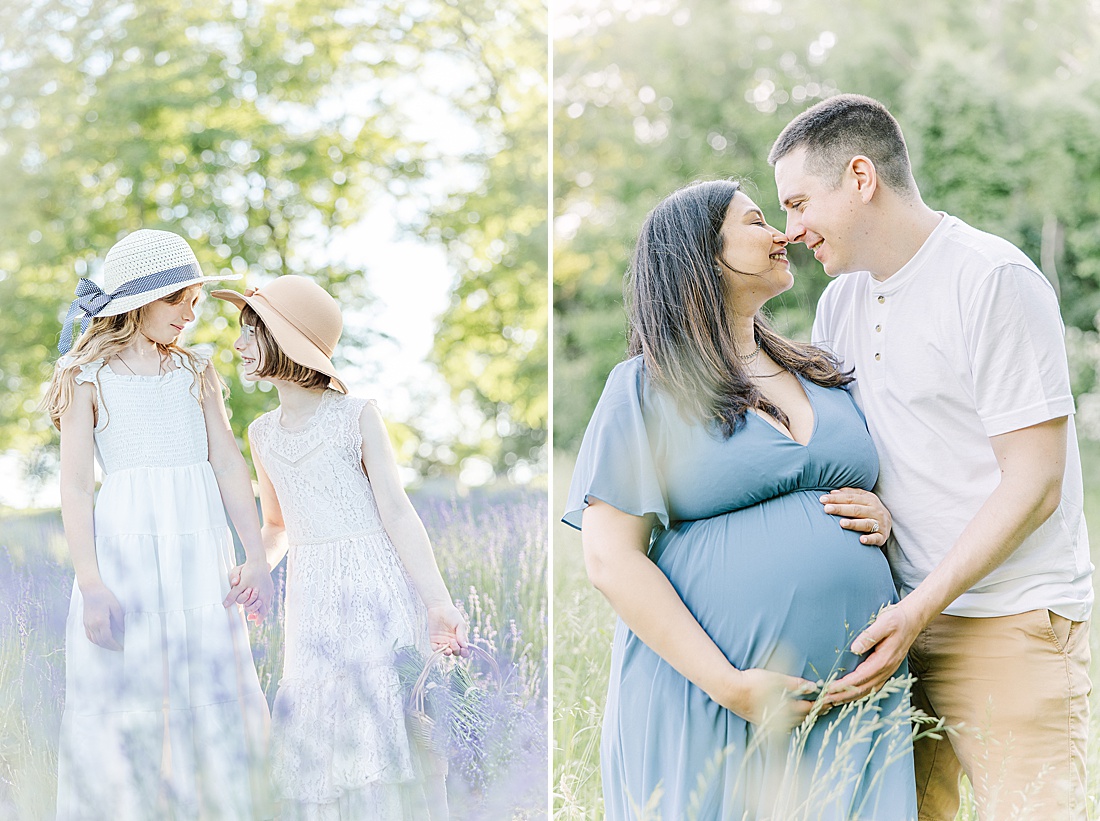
x=186 y=118
x=262 y=131
x=1001 y=127
x=492 y=341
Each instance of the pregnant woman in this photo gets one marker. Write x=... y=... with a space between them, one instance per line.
x=698 y=490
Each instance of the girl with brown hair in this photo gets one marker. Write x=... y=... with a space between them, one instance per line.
x=362 y=579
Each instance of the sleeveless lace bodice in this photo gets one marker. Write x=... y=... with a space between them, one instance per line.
x=147 y=421
x=318 y=473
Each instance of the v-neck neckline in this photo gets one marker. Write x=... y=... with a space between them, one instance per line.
x=786 y=434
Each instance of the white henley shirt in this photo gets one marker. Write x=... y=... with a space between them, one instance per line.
x=963 y=343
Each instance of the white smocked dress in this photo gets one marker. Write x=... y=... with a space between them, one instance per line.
x=339 y=744
x=174 y=725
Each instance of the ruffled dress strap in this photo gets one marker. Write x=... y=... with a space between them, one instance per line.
x=91 y=373
x=203 y=354
x=200 y=357
x=616 y=463
x=195 y=364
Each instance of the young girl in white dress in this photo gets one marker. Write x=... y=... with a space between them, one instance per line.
x=164 y=716
x=361 y=581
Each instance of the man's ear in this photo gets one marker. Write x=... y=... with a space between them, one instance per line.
x=862 y=173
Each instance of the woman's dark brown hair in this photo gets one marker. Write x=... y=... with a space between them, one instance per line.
x=680 y=323
x=274 y=364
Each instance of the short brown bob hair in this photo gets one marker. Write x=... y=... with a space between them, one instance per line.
x=274 y=364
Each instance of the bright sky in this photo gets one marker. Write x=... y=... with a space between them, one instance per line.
x=411 y=281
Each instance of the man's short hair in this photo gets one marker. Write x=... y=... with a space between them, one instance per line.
x=841 y=127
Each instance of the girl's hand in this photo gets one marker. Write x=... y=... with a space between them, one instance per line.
x=447 y=629
x=862 y=511
x=103 y=617
x=766 y=698
x=251 y=587
x=237 y=594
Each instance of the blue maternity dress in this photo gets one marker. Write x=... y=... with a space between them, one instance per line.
x=774 y=581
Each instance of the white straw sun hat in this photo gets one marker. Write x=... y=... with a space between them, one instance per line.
x=142 y=267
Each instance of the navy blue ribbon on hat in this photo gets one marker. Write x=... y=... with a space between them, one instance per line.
x=91 y=299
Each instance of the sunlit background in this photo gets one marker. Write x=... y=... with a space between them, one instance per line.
x=394 y=151
x=1000 y=104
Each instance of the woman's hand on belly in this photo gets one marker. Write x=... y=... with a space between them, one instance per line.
x=860 y=511
x=615 y=552
x=770 y=699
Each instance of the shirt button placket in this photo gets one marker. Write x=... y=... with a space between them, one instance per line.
x=878 y=340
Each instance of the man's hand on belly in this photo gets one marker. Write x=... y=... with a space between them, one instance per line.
x=888 y=639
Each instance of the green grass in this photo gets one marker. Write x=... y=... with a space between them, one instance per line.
x=583 y=629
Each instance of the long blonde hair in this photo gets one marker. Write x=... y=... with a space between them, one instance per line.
x=105 y=337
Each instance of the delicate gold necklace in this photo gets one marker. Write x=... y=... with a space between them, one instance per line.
x=160 y=368
x=123 y=361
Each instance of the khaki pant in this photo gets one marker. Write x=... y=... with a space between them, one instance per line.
x=1015 y=688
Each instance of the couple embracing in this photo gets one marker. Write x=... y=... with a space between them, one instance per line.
x=724 y=493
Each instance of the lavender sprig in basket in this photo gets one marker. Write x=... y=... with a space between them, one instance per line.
x=473 y=720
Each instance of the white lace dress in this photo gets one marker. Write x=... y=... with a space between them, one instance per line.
x=174 y=725
x=339 y=745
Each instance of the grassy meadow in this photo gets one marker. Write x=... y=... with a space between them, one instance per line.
x=583 y=628
x=492 y=550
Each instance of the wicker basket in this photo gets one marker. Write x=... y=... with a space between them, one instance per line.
x=421 y=724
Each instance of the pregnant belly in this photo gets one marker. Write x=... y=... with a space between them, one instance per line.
x=779 y=584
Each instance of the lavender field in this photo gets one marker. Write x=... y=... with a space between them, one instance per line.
x=492 y=550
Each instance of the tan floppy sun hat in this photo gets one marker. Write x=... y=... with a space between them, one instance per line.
x=304 y=319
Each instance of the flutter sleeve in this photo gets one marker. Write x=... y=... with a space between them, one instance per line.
x=616 y=463
x=90 y=372
x=87 y=372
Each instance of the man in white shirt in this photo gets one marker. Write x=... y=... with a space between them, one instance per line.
x=959 y=357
